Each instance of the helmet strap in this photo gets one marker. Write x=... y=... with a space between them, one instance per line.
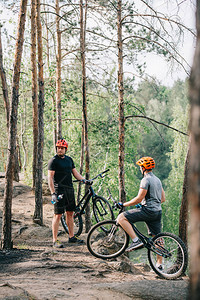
x=143 y=171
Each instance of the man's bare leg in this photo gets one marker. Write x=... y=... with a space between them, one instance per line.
x=126 y=225
x=70 y=222
x=55 y=226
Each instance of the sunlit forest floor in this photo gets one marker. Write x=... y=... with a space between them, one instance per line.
x=34 y=270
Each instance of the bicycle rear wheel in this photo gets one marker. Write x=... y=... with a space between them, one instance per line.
x=102 y=209
x=78 y=223
x=173 y=252
x=108 y=243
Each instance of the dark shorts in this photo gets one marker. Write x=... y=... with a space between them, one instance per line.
x=67 y=203
x=151 y=218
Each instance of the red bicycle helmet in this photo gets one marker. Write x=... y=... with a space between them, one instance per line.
x=147 y=162
x=62 y=143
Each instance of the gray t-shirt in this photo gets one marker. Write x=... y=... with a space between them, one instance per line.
x=153 y=185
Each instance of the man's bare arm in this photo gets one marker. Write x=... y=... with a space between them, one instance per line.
x=76 y=174
x=50 y=181
x=163 y=196
x=137 y=199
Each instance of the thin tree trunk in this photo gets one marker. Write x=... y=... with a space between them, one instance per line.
x=38 y=214
x=183 y=218
x=85 y=122
x=34 y=87
x=194 y=174
x=122 y=193
x=47 y=39
x=4 y=85
x=7 y=109
x=81 y=162
x=58 y=73
x=7 y=204
x=54 y=122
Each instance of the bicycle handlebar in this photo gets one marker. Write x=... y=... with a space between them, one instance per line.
x=115 y=203
x=100 y=174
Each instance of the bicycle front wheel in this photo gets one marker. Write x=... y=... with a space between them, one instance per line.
x=78 y=223
x=108 y=243
x=102 y=209
x=168 y=255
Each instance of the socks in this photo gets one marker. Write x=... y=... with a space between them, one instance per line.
x=135 y=239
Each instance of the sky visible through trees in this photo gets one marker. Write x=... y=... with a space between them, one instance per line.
x=156 y=66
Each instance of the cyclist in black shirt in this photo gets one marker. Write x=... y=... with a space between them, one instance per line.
x=60 y=170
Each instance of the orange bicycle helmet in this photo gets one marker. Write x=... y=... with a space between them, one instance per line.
x=146 y=162
x=62 y=143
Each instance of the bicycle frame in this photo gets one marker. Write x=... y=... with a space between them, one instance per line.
x=88 y=195
x=150 y=245
x=146 y=241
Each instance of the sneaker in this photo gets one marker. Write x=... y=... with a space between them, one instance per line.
x=75 y=239
x=57 y=244
x=159 y=266
x=135 y=245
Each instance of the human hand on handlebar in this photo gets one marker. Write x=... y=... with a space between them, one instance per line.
x=88 y=182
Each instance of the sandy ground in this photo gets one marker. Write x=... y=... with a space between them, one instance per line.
x=34 y=270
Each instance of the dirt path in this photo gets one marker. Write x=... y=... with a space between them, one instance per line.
x=34 y=270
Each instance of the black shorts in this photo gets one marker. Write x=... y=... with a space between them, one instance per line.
x=67 y=203
x=151 y=218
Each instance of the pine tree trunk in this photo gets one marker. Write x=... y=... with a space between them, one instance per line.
x=85 y=122
x=58 y=73
x=81 y=162
x=38 y=214
x=122 y=193
x=183 y=218
x=194 y=174
x=4 y=85
x=34 y=87
x=7 y=204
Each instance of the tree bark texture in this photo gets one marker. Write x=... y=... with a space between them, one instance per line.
x=7 y=204
x=58 y=73
x=122 y=193
x=81 y=162
x=85 y=122
x=194 y=174
x=4 y=85
x=38 y=214
x=34 y=87
x=183 y=218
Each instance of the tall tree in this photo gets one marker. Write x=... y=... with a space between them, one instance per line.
x=83 y=18
x=38 y=214
x=58 y=73
x=183 y=217
x=7 y=110
x=194 y=172
x=34 y=87
x=122 y=193
x=4 y=84
x=7 y=204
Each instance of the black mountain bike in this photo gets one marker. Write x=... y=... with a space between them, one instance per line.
x=113 y=241
x=101 y=208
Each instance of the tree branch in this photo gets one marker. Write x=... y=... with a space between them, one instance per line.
x=160 y=123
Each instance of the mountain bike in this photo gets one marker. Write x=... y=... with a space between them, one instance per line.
x=113 y=241
x=101 y=207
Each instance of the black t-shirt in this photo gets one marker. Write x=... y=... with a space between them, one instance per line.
x=63 y=171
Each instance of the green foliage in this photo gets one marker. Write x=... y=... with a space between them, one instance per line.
x=150 y=98
x=174 y=182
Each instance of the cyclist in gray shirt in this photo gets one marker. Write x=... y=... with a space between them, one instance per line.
x=150 y=195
